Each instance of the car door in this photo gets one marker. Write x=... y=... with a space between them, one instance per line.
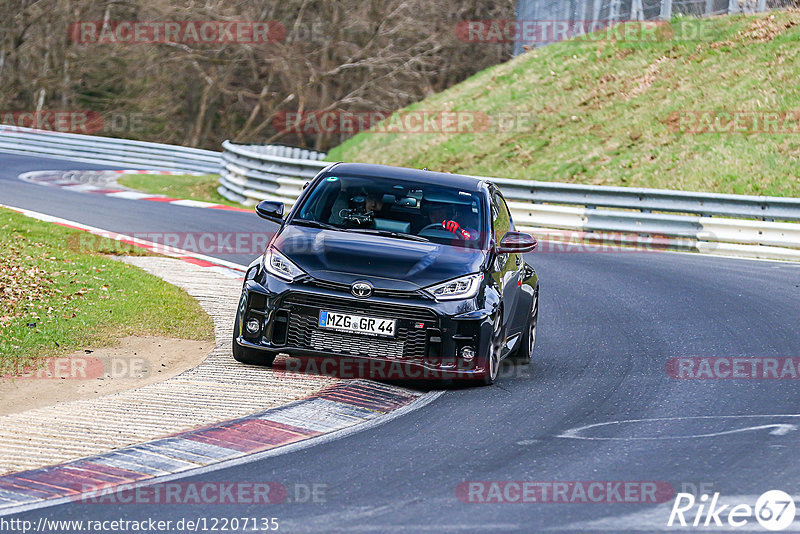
x=507 y=267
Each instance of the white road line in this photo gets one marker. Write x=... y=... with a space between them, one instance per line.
x=779 y=429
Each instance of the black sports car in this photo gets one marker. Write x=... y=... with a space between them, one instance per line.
x=392 y=273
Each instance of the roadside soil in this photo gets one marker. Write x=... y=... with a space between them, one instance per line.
x=91 y=373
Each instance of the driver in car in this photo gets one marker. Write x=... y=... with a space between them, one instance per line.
x=373 y=203
x=445 y=214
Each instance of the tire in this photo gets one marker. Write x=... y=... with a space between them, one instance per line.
x=524 y=352
x=263 y=358
x=495 y=351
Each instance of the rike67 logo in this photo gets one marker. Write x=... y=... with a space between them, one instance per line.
x=774 y=510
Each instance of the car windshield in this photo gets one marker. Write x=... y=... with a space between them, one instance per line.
x=401 y=209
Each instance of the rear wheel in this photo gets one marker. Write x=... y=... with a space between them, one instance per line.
x=524 y=351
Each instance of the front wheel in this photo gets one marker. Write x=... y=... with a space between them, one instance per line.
x=252 y=356
x=493 y=353
x=524 y=351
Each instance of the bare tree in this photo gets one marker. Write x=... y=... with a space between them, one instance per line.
x=342 y=55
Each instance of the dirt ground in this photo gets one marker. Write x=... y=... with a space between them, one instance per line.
x=91 y=373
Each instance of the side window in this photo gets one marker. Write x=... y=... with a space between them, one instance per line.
x=318 y=205
x=510 y=216
x=501 y=222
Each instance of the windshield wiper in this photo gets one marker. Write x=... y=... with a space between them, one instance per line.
x=387 y=233
x=317 y=224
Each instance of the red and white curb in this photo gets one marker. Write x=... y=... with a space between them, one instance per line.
x=338 y=410
x=226 y=268
x=64 y=180
x=346 y=407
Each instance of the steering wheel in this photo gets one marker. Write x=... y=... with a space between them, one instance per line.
x=438 y=226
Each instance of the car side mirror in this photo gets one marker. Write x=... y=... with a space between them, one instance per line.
x=271 y=211
x=518 y=242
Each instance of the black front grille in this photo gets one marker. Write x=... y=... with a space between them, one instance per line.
x=345 y=288
x=409 y=342
x=353 y=305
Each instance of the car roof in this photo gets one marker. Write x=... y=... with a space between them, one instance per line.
x=460 y=181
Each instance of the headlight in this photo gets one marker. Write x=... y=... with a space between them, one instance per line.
x=280 y=266
x=460 y=288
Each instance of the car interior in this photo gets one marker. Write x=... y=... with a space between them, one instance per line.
x=416 y=209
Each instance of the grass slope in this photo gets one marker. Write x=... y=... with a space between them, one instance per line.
x=608 y=113
x=60 y=293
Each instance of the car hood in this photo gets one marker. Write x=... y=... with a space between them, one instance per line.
x=386 y=262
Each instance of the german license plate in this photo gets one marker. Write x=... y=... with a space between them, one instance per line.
x=357 y=324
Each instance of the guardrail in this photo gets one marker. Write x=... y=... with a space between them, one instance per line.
x=251 y=173
x=703 y=222
x=751 y=226
x=107 y=150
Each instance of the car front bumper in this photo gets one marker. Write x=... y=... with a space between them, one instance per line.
x=428 y=344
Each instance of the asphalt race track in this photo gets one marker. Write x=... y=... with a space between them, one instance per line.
x=609 y=323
